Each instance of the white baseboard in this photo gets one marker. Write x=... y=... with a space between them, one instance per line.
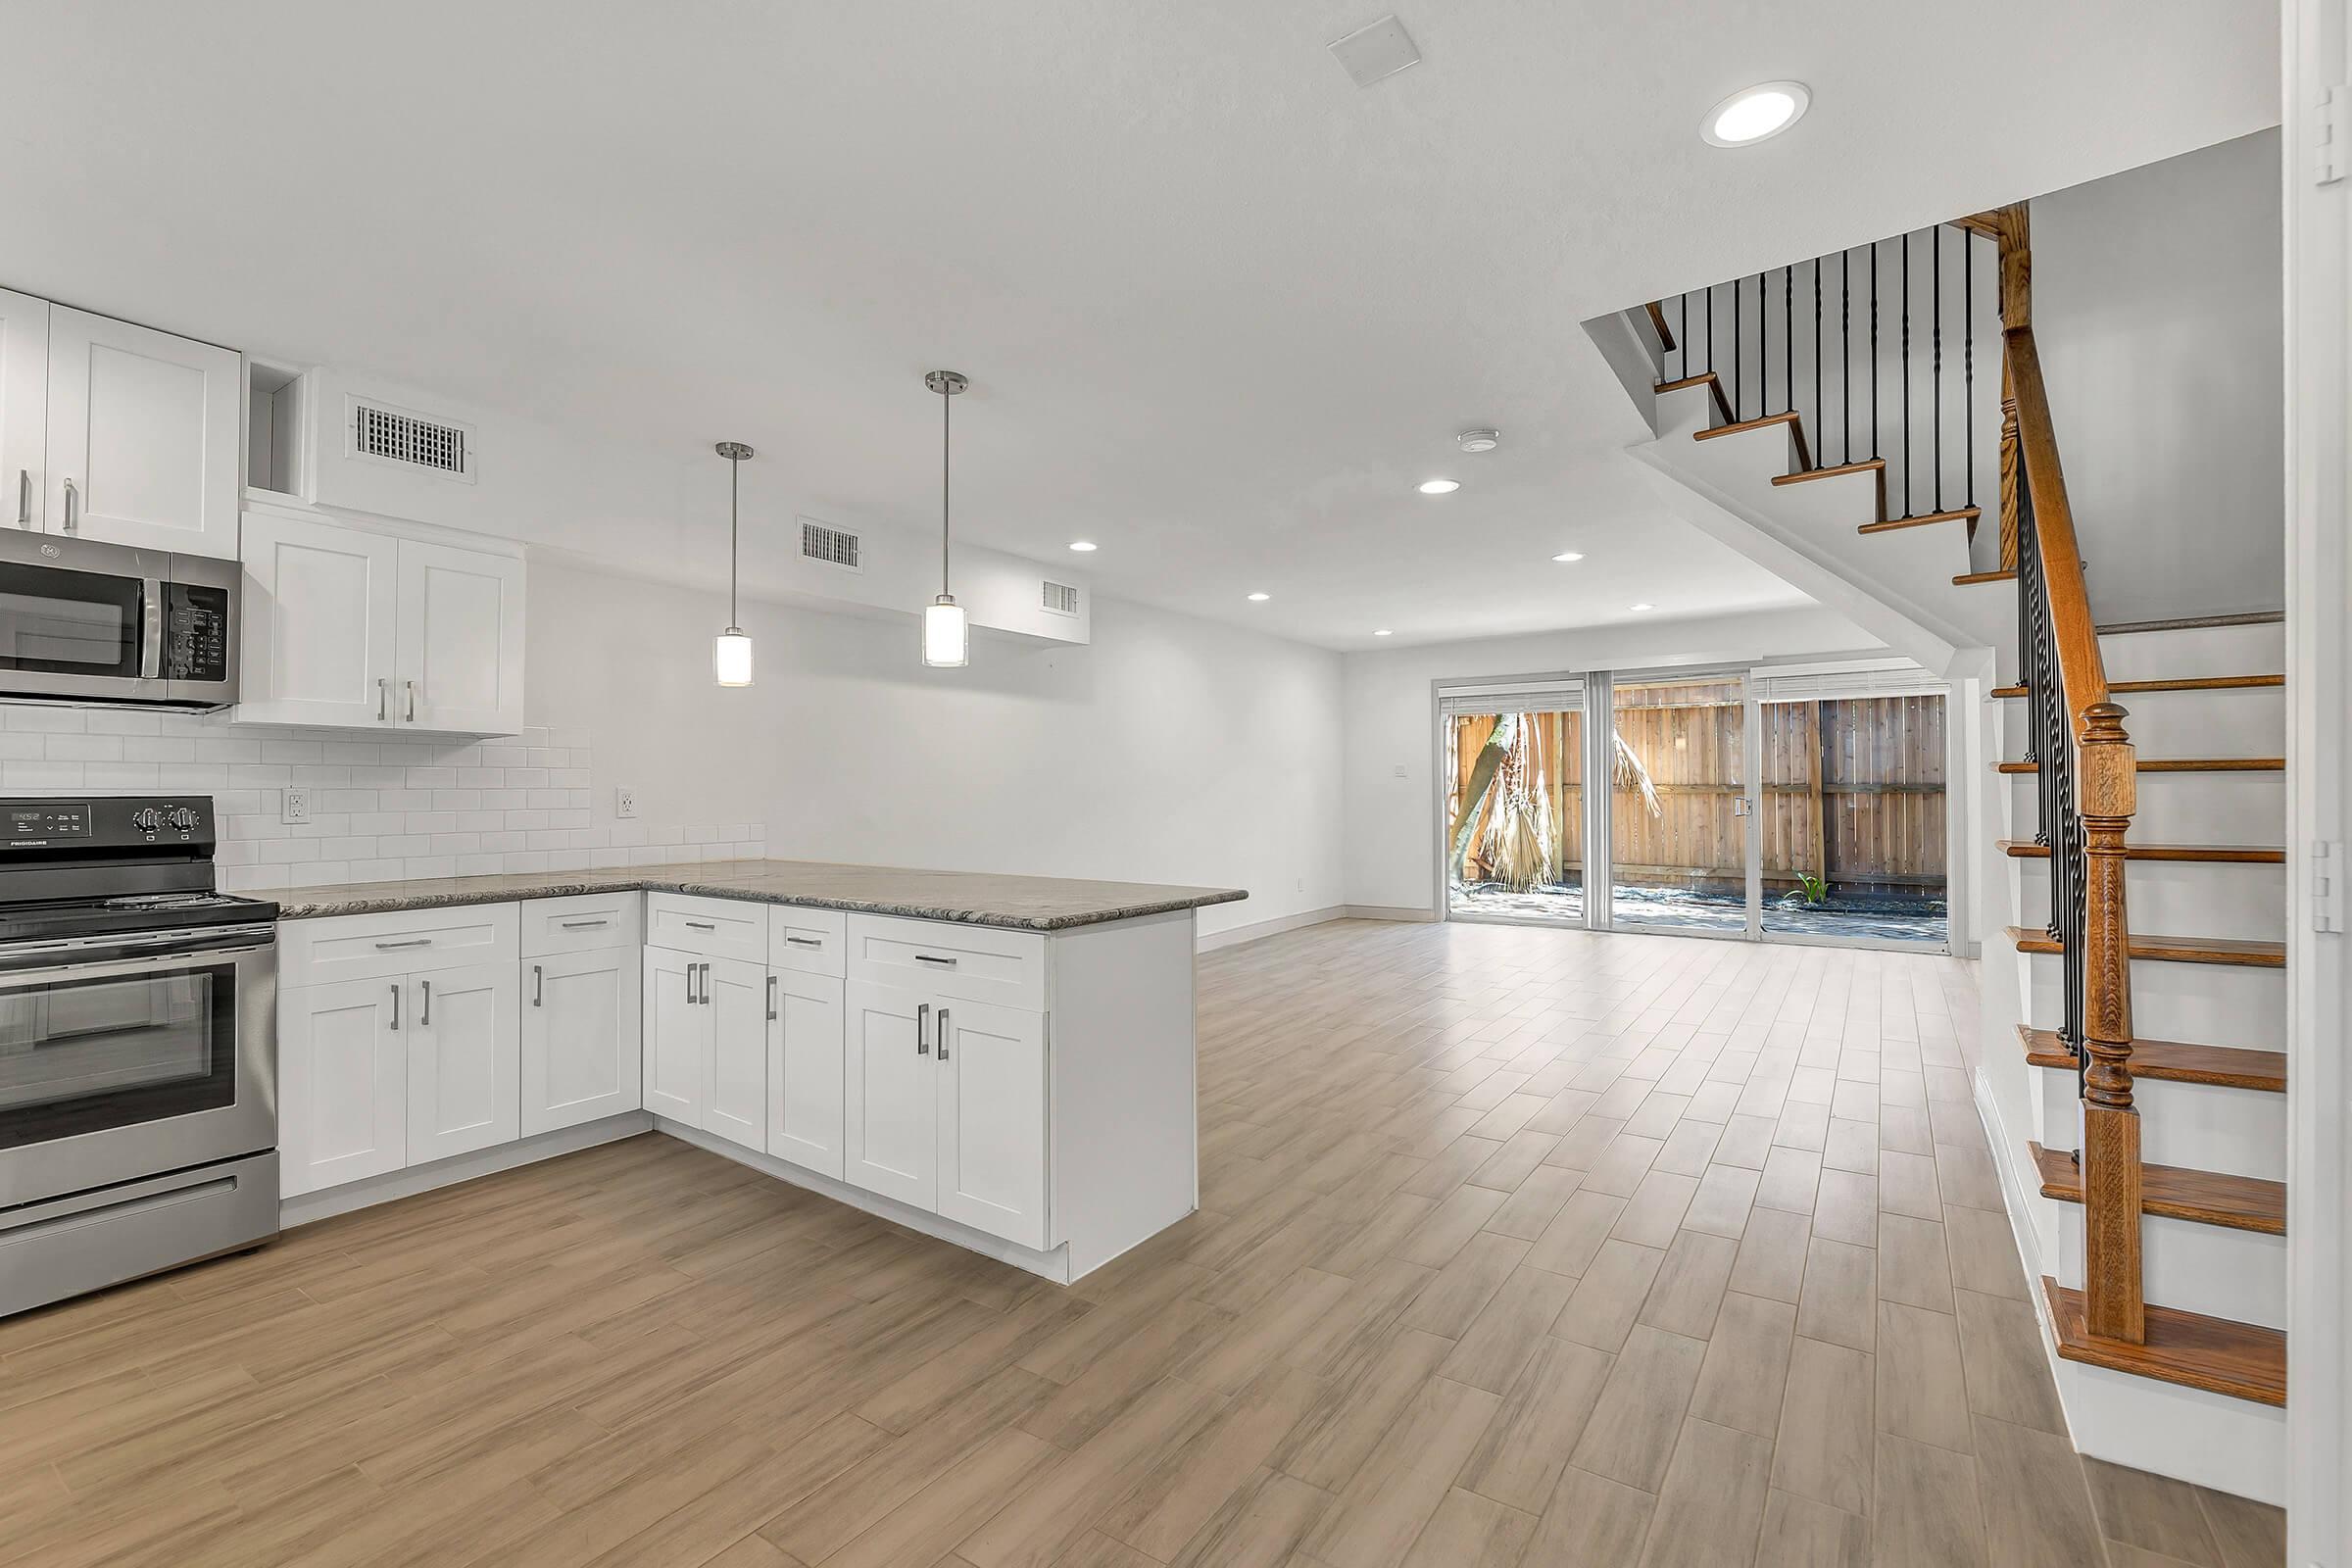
x=305 y=1207
x=1392 y=912
x=1234 y=936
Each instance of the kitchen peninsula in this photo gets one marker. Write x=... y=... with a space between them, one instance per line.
x=1005 y=1062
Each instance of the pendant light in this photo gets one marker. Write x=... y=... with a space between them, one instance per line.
x=947 y=636
x=731 y=650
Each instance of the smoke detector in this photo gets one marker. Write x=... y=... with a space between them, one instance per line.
x=1479 y=440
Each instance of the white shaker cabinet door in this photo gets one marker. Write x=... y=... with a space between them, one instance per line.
x=805 y=1049
x=581 y=1023
x=343 y=1072
x=460 y=657
x=677 y=1037
x=890 y=1095
x=736 y=1000
x=463 y=1030
x=320 y=615
x=992 y=1120
x=144 y=441
x=23 y=410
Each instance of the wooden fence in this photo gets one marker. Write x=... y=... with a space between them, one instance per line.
x=1853 y=790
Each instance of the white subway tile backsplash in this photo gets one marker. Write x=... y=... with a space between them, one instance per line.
x=383 y=808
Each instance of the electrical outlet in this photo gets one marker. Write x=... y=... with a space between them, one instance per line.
x=297 y=805
x=624 y=802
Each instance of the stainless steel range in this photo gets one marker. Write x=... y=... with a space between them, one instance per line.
x=138 y=1053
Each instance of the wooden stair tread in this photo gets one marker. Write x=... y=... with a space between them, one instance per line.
x=2204 y=1196
x=2185 y=683
x=2182 y=764
x=1866 y=466
x=1787 y=418
x=1888 y=526
x=1966 y=578
x=2174 y=949
x=1706 y=379
x=2244 y=1361
x=2232 y=854
x=2174 y=1061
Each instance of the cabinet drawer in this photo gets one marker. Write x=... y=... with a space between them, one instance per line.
x=582 y=924
x=811 y=941
x=369 y=947
x=980 y=963
x=709 y=928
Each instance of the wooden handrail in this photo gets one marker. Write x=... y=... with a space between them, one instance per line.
x=2106 y=773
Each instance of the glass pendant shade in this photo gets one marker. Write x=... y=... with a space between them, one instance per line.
x=731 y=658
x=946 y=638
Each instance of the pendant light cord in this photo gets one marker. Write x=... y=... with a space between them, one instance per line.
x=947 y=403
x=734 y=519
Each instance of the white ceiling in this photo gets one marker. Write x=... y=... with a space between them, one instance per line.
x=1221 y=307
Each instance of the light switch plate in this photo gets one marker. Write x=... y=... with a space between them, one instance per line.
x=624 y=802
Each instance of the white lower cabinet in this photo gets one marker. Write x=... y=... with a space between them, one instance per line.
x=343 y=1084
x=944 y=1108
x=464 y=1060
x=677 y=1037
x=734 y=997
x=805 y=1048
x=581 y=1024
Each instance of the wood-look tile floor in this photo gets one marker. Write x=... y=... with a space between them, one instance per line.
x=1516 y=1246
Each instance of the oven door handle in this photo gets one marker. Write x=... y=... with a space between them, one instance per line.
x=150 y=635
x=134 y=950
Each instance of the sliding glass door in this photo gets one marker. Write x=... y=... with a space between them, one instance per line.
x=1514 y=810
x=1679 y=802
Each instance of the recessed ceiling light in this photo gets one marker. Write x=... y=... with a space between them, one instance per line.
x=1637 y=608
x=1479 y=440
x=1752 y=114
x=1082 y=544
x=1384 y=632
x=1569 y=554
x=1440 y=487
x=1260 y=599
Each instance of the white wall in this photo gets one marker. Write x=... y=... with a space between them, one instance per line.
x=1171 y=751
x=2157 y=309
x=1390 y=833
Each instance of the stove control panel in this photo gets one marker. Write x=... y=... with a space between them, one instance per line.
x=105 y=821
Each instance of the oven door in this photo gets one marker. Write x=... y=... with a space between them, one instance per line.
x=128 y=1057
x=79 y=620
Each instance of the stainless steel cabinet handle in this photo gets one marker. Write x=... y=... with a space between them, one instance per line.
x=427 y=1016
x=705 y=998
x=805 y=942
x=383 y=697
x=538 y=985
x=73 y=507
x=396 y=1005
x=585 y=925
x=412 y=688
x=411 y=941
x=943 y=1034
x=926 y=958
x=23 y=498
x=700 y=925
x=922 y=1028
x=771 y=999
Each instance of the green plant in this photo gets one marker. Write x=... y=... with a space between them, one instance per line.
x=1816 y=890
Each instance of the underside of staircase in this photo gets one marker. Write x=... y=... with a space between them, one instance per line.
x=2174 y=1059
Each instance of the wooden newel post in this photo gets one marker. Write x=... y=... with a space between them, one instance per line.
x=2111 y=1182
x=2012 y=469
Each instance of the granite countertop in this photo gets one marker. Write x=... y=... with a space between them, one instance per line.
x=971 y=897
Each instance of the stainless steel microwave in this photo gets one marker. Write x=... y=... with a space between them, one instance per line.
x=89 y=623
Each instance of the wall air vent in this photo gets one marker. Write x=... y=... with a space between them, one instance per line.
x=835 y=547
x=1060 y=599
x=383 y=433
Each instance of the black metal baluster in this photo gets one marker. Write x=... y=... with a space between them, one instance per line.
x=1935 y=369
x=1788 y=339
x=1968 y=360
x=1710 y=302
x=1738 y=384
x=1846 y=357
x=1906 y=376
x=1821 y=423
x=1682 y=334
x=1874 y=348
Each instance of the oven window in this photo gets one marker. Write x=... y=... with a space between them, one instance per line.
x=61 y=623
x=83 y=1055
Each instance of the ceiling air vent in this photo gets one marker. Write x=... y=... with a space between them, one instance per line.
x=835 y=547
x=387 y=434
x=1061 y=598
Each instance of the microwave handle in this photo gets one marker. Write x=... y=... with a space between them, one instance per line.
x=151 y=639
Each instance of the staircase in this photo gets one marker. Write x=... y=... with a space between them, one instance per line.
x=2145 y=1134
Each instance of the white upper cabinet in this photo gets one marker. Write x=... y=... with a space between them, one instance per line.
x=143 y=440
x=460 y=658
x=320 y=623
x=23 y=409
x=360 y=629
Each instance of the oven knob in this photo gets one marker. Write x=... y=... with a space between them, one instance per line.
x=147 y=819
x=182 y=818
